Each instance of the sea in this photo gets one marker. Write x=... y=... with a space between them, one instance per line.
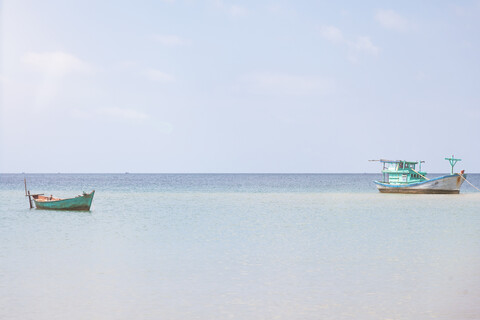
x=237 y=246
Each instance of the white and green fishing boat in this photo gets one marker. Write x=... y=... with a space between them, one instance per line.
x=400 y=176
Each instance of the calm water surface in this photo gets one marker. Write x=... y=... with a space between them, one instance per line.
x=159 y=246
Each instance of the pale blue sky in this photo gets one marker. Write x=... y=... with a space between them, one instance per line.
x=238 y=86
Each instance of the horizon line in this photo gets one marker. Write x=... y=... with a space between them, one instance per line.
x=127 y=172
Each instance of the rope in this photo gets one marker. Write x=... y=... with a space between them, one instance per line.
x=419 y=173
x=468 y=181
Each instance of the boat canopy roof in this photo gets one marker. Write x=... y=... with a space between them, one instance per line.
x=397 y=161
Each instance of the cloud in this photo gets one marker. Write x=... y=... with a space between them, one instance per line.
x=170 y=40
x=365 y=45
x=280 y=9
x=237 y=11
x=53 y=67
x=129 y=115
x=391 y=20
x=332 y=34
x=357 y=46
x=159 y=76
x=122 y=113
x=56 y=63
x=461 y=11
x=421 y=76
x=231 y=9
x=4 y=79
x=471 y=10
x=276 y=83
x=127 y=64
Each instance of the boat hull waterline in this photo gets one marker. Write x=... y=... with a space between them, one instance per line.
x=449 y=184
x=80 y=203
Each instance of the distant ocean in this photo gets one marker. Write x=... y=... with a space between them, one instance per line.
x=238 y=246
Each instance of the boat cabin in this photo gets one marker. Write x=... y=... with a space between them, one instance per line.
x=402 y=172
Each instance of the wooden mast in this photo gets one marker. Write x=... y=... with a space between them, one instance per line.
x=453 y=161
x=27 y=193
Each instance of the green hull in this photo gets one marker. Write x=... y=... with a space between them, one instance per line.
x=80 y=203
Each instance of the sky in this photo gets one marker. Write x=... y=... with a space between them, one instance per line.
x=219 y=86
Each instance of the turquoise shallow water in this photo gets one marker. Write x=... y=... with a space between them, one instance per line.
x=238 y=247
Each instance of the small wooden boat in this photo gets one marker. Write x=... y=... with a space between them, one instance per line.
x=400 y=176
x=81 y=202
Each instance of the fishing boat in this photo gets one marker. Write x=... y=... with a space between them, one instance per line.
x=81 y=202
x=401 y=176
